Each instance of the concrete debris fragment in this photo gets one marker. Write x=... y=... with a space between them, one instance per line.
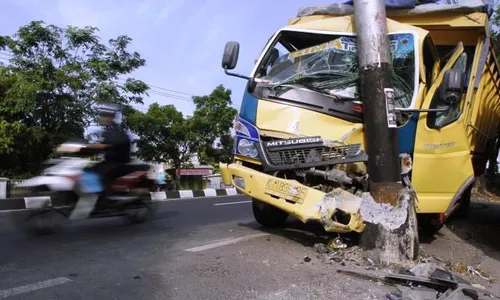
x=419 y=293
x=321 y=248
x=432 y=259
x=424 y=269
x=478 y=286
x=352 y=256
x=455 y=295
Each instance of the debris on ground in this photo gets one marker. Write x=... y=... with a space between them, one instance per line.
x=464 y=270
x=477 y=272
x=433 y=282
x=428 y=278
x=321 y=248
x=352 y=255
x=343 y=252
x=460 y=268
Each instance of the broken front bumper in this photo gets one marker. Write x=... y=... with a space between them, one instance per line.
x=300 y=201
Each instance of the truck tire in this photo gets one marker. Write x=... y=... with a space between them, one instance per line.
x=268 y=215
x=463 y=210
x=429 y=224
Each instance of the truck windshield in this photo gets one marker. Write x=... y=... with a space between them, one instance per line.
x=329 y=64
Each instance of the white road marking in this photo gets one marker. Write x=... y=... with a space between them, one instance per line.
x=33 y=287
x=230 y=203
x=226 y=242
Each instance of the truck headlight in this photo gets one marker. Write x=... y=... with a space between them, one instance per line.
x=247 y=148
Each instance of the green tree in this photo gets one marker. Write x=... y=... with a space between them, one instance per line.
x=212 y=121
x=165 y=136
x=50 y=85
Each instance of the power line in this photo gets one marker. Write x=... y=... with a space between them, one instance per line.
x=169 y=90
x=177 y=97
x=169 y=96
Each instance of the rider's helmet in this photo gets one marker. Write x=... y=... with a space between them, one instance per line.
x=109 y=110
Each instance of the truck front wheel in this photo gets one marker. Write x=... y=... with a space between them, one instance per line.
x=268 y=215
x=429 y=224
x=463 y=210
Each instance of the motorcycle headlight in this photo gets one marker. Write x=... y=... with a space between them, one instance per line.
x=247 y=148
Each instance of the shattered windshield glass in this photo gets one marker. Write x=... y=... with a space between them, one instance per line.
x=329 y=64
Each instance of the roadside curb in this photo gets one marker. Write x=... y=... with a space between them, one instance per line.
x=159 y=196
x=16 y=204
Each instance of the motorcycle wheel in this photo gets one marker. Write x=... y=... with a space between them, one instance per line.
x=44 y=222
x=143 y=213
x=41 y=221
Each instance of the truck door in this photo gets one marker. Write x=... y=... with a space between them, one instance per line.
x=442 y=162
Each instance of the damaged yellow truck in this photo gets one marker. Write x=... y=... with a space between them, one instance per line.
x=299 y=144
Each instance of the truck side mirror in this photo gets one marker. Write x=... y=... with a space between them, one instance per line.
x=230 y=56
x=230 y=59
x=453 y=86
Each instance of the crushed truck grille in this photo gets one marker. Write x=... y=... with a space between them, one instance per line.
x=283 y=158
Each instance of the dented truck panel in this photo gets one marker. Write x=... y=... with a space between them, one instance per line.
x=303 y=202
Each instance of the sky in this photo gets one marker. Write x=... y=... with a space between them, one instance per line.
x=182 y=41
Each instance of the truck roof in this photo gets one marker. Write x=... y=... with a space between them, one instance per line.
x=465 y=28
x=404 y=8
x=345 y=24
x=467 y=15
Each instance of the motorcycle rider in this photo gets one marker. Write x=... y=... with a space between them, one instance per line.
x=116 y=146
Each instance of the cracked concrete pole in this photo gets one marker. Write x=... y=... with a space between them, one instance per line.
x=390 y=236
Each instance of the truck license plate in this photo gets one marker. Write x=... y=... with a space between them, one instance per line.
x=283 y=189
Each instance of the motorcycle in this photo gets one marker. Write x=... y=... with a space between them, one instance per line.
x=52 y=196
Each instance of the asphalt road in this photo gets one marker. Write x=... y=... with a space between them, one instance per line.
x=205 y=248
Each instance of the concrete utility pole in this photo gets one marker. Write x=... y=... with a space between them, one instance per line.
x=383 y=237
